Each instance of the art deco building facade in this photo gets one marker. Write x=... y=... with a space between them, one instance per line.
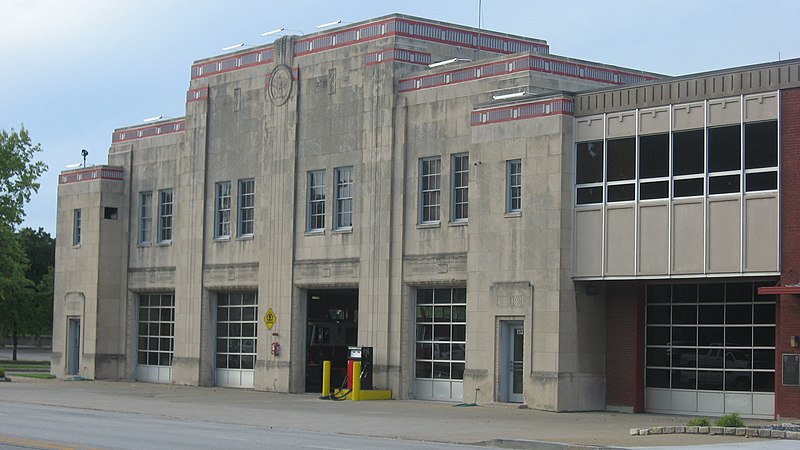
x=507 y=226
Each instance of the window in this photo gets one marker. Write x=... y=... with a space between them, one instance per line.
x=589 y=172
x=688 y=163
x=222 y=210
x=343 y=214
x=145 y=217
x=430 y=189
x=621 y=169
x=761 y=156
x=441 y=319
x=316 y=201
x=76 y=227
x=514 y=186
x=460 y=194
x=237 y=330
x=654 y=166
x=110 y=213
x=247 y=194
x=165 y=215
x=156 y=329
x=724 y=159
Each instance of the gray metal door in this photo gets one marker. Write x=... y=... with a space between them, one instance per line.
x=73 y=346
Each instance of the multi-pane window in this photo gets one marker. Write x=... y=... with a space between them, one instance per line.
x=727 y=159
x=513 y=186
x=460 y=194
x=165 y=215
x=156 y=329
x=430 y=180
x=441 y=333
x=247 y=194
x=236 y=330
x=222 y=210
x=145 y=217
x=710 y=336
x=343 y=206
x=316 y=200
x=76 y=227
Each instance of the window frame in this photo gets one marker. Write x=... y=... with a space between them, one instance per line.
x=245 y=223
x=343 y=199
x=315 y=201
x=430 y=199
x=459 y=181
x=222 y=210
x=145 y=218
x=166 y=201
x=76 y=227
x=513 y=190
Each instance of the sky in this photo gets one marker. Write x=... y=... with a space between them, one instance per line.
x=71 y=71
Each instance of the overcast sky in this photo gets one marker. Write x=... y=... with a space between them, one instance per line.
x=72 y=71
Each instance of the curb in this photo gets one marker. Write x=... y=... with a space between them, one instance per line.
x=756 y=432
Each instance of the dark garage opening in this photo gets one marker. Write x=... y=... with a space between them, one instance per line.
x=332 y=326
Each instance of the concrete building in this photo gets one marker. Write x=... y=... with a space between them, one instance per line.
x=498 y=223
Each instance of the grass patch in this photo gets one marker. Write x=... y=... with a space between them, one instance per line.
x=11 y=365
x=729 y=420
x=41 y=376
x=698 y=422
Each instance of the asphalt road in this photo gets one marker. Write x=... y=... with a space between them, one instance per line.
x=54 y=427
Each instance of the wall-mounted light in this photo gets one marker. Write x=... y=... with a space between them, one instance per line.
x=508 y=96
x=448 y=61
x=329 y=24
x=152 y=119
x=280 y=30
x=231 y=47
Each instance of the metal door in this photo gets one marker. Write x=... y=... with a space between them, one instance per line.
x=513 y=344
x=73 y=346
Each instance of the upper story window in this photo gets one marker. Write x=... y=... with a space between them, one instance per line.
x=460 y=193
x=247 y=194
x=165 y=215
x=76 y=227
x=724 y=159
x=621 y=169
x=761 y=156
x=688 y=163
x=145 y=217
x=222 y=210
x=589 y=172
x=430 y=185
x=316 y=201
x=514 y=186
x=343 y=213
x=654 y=166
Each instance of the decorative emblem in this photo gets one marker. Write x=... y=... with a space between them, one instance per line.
x=280 y=84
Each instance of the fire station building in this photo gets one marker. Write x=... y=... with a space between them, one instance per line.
x=497 y=223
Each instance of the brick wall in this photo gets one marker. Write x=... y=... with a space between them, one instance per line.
x=625 y=346
x=787 y=399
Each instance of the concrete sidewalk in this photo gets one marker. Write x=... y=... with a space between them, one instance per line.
x=496 y=424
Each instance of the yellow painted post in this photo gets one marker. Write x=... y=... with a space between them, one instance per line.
x=356 y=394
x=326 y=378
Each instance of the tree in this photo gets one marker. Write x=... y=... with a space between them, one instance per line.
x=18 y=175
x=40 y=249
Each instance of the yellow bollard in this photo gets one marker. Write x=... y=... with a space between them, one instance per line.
x=326 y=378
x=356 y=394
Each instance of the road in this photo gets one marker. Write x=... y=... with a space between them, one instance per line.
x=54 y=427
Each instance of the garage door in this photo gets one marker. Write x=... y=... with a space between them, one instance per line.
x=710 y=349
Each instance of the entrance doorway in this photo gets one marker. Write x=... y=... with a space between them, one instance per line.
x=512 y=345
x=331 y=326
x=73 y=346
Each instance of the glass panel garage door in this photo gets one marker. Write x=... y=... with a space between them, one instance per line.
x=236 y=339
x=440 y=343
x=156 y=338
x=710 y=349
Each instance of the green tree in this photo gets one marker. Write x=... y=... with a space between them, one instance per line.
x=40 y=249
x=18 y=175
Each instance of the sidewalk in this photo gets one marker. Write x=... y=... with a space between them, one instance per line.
x=404 y=419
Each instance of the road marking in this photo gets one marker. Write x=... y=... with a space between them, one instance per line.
x=41 y=444
x=231 y=439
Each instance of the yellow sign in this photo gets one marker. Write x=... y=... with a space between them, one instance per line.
x=269 y=319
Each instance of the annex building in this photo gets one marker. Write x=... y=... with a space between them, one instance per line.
x=498 y=223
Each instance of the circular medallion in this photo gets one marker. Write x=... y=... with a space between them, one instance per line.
x=280 y=84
